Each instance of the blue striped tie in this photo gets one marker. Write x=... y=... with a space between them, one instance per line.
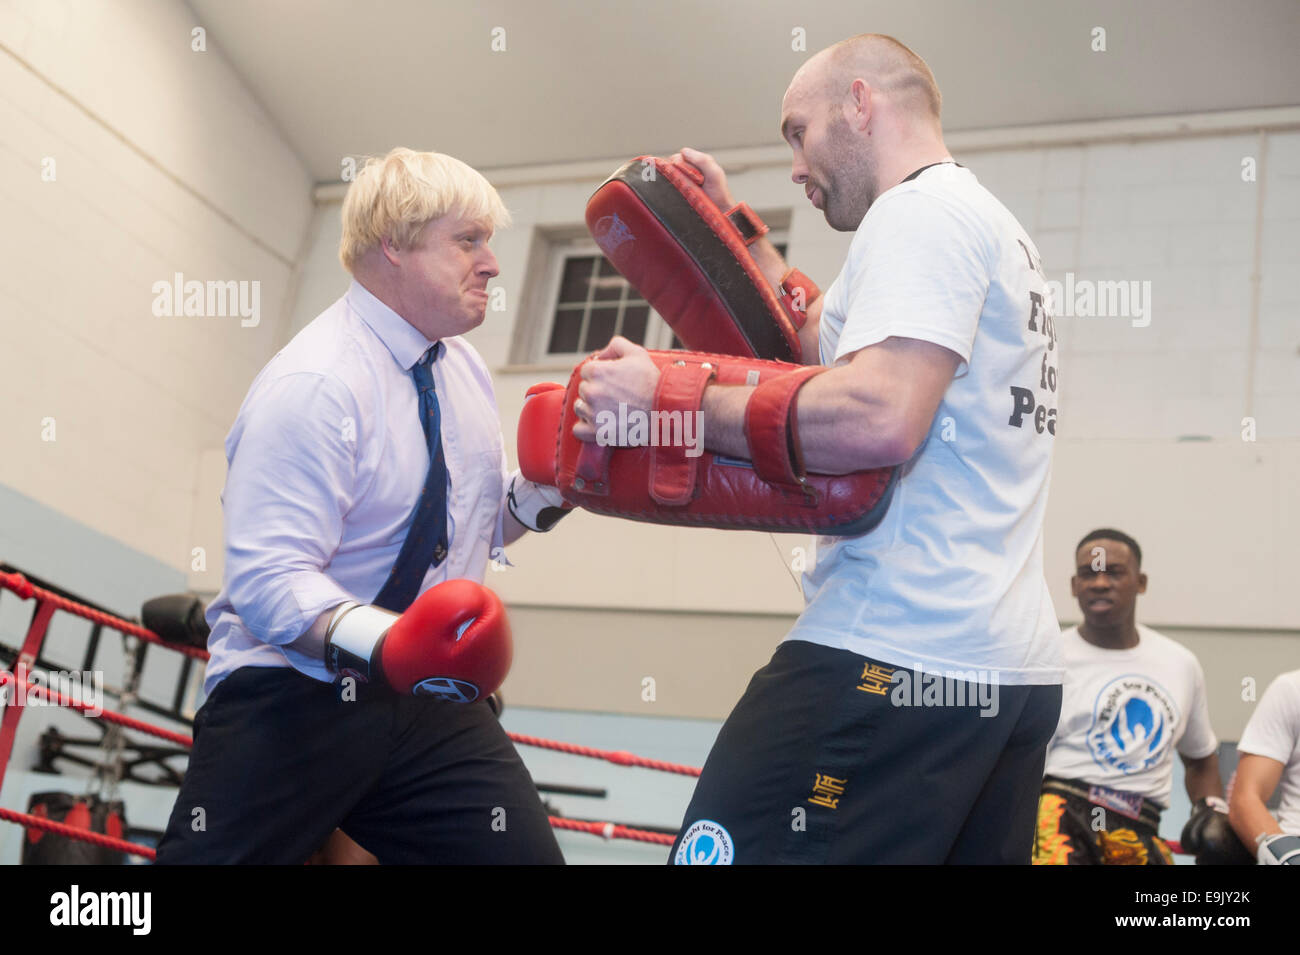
x=426 y=541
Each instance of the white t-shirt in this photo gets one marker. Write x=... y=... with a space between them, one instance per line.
x=1124 y=712
x=952 y=577
x=1274 y=731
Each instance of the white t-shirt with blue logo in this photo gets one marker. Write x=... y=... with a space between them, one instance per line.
x=952 y=578
x=1125 y=712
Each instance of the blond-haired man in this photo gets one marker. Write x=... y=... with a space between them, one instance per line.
x=365 y=466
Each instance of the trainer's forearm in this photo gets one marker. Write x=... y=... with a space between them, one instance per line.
x=810 y=334
x=723 y=413
x=769 y=261
x=774 y=267
x=842 y=428
x=845 y=426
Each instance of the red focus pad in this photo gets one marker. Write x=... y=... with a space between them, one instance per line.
x=539 y=422
x=797 y=290
x=673 y=470
x=747 y=223
x=672 y=479
x=771 y=429
x=658 y=228
x=453 y=642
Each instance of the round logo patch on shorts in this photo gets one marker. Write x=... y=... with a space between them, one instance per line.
x=705 y=843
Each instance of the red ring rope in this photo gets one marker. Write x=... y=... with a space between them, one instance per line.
x=622 y=758
x=72 y=832
x=612 y=830
x=110 y=716
x=27 y=590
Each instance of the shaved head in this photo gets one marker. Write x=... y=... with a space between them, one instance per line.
x=859 y=117
x=885 y=64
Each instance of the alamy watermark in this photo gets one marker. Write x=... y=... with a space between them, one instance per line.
x=921 y=687
x=659 y=429
x=212 y=299
x=26 y=687
x=1090 y=298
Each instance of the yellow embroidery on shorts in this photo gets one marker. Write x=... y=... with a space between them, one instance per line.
x=826 y=787
x=875 y=679
x=1121 y=847
x=1051 y=846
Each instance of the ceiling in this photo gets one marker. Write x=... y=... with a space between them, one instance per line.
x=580 y=79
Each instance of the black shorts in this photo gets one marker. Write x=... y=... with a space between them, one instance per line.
x=830 y=757
x=1068 y=830
x=280 y=761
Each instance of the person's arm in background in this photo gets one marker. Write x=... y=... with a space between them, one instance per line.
x=1202 y=771
x=766 y=257
x=1266 y=743
x=1257 y=779
x=1201 y=777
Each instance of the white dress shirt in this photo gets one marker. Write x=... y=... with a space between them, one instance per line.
x=327 y=459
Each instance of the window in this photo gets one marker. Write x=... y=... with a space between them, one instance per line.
x=593 y=304
x=590 y=303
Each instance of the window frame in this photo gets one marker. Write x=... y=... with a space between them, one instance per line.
x=659 y=335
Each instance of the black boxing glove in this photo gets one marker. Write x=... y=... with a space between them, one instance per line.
x=1209 y=836
x=176 y=618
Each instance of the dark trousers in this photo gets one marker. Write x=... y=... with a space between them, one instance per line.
x=280 y=761
x=830 y=757
x=1067 y=832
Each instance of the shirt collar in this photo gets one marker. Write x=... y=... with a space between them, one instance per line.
x=403 y=340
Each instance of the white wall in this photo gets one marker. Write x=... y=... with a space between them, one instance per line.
x=163 y=163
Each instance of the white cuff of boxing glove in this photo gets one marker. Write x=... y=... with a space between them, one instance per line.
x=537 y=506
x=353 y=634
x=1276 y=849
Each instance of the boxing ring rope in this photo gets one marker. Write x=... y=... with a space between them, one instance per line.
x=26 y=590
x=81 y=835
x=48 y=602
x=620 y=757
x=108 y=716
x=612 y=830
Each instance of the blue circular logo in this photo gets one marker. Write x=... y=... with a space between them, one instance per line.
x=705 y=843
x=1133 y=724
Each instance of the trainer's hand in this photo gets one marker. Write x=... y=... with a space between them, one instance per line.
x=620 y=373
x=715 y=180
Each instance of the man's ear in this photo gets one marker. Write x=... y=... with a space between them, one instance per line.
x=860 y=100
x=391 y=252
x=1142 y=583
x=1074 y=585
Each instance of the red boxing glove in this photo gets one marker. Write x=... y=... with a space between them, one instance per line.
x=453 y=642
x=538 y=423
x=533 y=498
